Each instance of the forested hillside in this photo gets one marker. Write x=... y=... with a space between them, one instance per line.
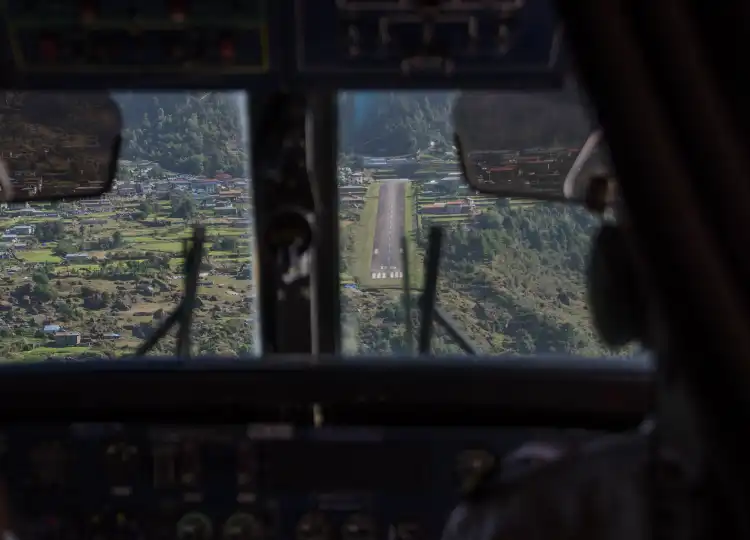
x=514 y=278
x=386 y=124
x=188 y=132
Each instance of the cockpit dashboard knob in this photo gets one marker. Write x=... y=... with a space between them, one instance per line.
x=194 y=526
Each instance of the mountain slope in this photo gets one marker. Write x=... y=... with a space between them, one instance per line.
x=188 y=132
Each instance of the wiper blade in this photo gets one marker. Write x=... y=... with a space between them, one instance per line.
x=183 y=314
x=428 y=301
x=407 y=294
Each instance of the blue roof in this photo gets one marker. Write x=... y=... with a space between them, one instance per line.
x=51 y=327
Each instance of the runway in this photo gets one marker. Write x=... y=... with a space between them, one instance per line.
x=386 y=248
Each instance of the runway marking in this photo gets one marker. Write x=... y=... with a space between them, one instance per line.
x=387 y=275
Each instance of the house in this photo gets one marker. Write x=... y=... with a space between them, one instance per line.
x=359 y=191
x=22 y=230
x=203 y=185
x=52 y=328
x=96 y=205
x=231 y=195
x=67 y=339
x=451 y=207
x=78 y=258
x=242 y=223
x=30 y=212
x=226 y=211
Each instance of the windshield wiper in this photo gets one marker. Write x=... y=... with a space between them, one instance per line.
x=183 y=314
x=429 y=310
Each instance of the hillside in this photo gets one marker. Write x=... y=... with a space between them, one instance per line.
x=512 y=278
x=386 y=124
x=189 y=132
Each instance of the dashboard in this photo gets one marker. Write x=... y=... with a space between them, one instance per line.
x=247 y=482
x=263 y=45
x=330 y=448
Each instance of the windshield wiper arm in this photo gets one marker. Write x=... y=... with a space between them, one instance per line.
x=183 y=314
x=407 y=295
x=428 y=301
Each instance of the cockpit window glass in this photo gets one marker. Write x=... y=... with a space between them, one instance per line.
x=93 y=278
x=512 y=271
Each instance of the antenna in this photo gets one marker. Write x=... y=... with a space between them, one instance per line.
x=427 y=302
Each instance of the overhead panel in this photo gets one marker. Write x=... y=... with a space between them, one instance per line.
x=259 y=44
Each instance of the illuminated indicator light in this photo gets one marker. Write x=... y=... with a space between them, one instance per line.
x=88 y=11
x=226 y=50
x=177 y=10
x=48 y=49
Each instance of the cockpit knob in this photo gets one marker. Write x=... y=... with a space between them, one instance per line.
x=243 y=526
x=358 y=527
x=194 y=526
x=313 y=526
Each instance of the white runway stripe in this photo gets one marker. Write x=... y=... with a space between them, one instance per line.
x=387 y=275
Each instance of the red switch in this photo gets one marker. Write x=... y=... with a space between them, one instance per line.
x=227 y=50
x=48 y=49
x=88 y=10
x=177 y=10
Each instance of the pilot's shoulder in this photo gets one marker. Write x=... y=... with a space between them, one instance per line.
x=595 y=492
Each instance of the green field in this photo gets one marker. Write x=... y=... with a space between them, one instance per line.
x=109 y=270
x=366 y=236
x=411 y=231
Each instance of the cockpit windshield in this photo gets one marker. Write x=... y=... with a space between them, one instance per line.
x=93 y=278
x=512 y=271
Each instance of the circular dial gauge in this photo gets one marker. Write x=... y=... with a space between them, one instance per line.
x=243 y=526
x=358 y=527
x=194 y=526
x=313 y=526
x=472 y=466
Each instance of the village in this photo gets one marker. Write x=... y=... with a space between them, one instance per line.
x=120 y=255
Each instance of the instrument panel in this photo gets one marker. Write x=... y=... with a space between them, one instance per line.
x=261 y=481
x=263 y=44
